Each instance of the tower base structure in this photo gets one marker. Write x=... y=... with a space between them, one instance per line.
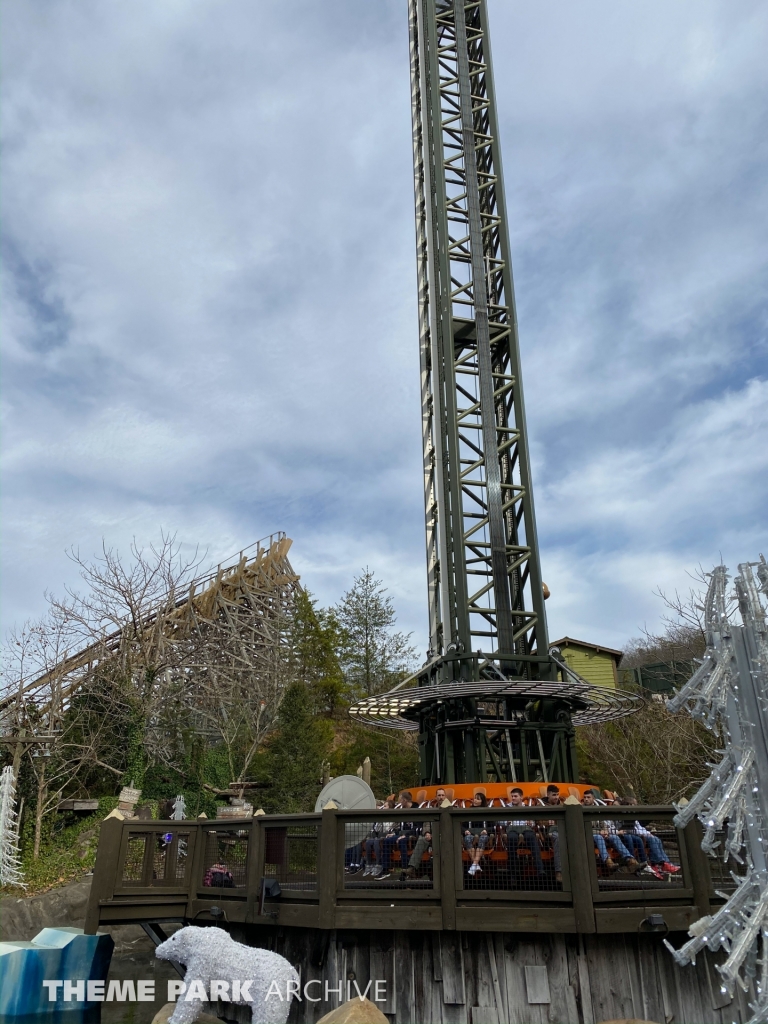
x=489 y=728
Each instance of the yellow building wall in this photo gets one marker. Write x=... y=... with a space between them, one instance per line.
x=595 y=666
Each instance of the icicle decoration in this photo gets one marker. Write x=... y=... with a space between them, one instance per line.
x=10 y=862
x=729 y=694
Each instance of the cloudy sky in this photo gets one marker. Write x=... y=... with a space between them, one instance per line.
x=209 y=289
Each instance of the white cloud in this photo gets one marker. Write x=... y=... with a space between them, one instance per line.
x=210 y=288
x=715 y=459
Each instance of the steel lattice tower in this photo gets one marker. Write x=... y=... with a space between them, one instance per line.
x=485 y=588
x=489 y=701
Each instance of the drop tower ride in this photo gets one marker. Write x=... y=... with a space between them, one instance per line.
x=491 y=702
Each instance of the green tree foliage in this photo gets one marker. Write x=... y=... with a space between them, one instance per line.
x=374 y=657
x=205 y=769
x=394 y=757
x=295 y=752
x=359 y=635
x=317 y=640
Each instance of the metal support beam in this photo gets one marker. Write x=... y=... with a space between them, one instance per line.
x=484 y=580
x=489 y=680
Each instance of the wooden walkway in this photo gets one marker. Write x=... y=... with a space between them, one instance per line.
x=204 y=871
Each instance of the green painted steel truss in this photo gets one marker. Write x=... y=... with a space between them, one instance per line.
x=485 y=589
x=491 y=702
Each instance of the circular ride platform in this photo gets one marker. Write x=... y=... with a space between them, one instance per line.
x=402 y=708
x=501 y=730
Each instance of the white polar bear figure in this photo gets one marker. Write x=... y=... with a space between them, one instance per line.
x=209 y=954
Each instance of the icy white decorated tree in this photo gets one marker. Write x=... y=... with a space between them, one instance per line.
x=10 y=863
x=179 y=809
x=729 y=694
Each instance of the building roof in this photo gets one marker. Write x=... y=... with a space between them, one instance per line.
x=585 y=643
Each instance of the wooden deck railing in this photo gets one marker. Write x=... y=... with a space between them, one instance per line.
x=206 y=870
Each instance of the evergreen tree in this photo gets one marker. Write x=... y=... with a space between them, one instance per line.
x=374 y=657
x=317 y=639
x=295 y=753
x=394 y=756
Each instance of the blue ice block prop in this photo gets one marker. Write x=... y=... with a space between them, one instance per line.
x=53 y=954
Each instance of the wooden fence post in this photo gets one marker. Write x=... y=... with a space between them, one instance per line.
x=580 y=867
x=327 y=869
x=104 y=871
x=196 y=867
x=698 y=867
x=256 y=844
x=448 y=854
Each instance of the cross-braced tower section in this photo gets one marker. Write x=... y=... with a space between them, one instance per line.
x=485 y=589
x=491 y=701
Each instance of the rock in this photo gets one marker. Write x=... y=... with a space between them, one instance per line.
x=355 y=1011
x=162 y=1015
x=22 y=918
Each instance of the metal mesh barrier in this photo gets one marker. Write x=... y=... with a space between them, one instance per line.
x=633 y=854
x=181 y=862
x=159 y=856
x=504 y=852
x=290 y=855
x=156 y=858
x=225 y=858
x=133 y=865
x=380 y=854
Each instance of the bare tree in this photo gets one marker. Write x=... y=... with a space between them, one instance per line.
x=36 y=724
x=127 y=656
x=682 y=635
x=656 y=755
x=161 y=655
